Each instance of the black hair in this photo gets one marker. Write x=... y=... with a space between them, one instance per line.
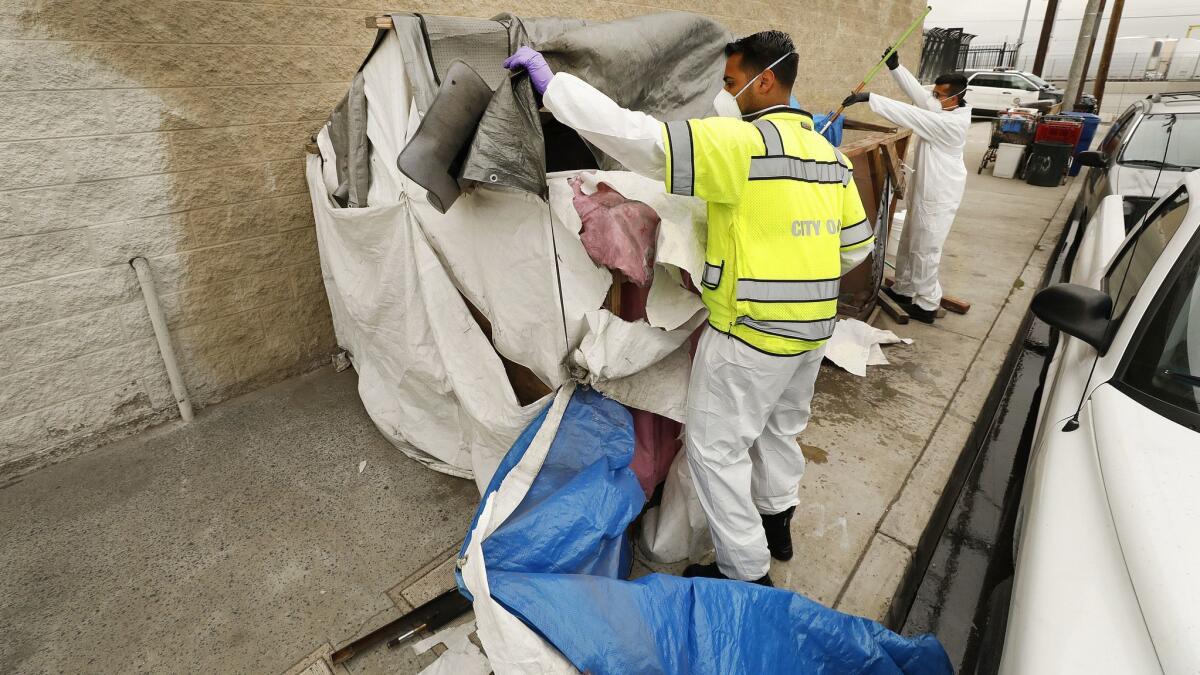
x=957 y=82
x=762 y=49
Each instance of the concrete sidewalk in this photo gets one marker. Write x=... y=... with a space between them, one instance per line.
x=249 y=541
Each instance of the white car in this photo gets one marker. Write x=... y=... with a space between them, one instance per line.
x=1108 y=534
x=1002 y=89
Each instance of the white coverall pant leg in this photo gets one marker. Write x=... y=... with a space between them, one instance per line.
x=740 y=397
x=926 y=227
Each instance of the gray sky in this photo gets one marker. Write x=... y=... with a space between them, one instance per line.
x=998 y=21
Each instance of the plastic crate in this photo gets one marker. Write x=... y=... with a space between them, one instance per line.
x=1058 y=131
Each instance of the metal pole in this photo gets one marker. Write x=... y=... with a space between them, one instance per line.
x=1076 y=75
x=1044 y=38
x=1024 y=21
x=1110 y=40
x=1087 y=63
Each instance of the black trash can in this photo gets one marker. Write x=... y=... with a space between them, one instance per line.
x=1046 y=163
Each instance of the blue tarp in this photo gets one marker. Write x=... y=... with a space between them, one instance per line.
x=558 y=561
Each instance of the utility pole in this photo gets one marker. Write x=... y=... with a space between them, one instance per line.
x=1024 y=20
x=1044 y=39
x=1114 y=24
x=1075 y=79
x=1087 y=63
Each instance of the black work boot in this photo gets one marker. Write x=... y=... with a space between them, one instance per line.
x=711 y=571
x=902 y=300
x=922 y=315
x=778 y=527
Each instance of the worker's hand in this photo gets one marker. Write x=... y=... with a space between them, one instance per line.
x=893 y=61
x=860 y=97
x=532 y=61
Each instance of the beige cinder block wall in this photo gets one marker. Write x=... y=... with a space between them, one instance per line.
x=174 y=130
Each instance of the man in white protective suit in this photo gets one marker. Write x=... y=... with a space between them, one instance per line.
x=785 y=221
x=940 y=119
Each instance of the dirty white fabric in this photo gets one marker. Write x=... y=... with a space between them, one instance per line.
x=397 y=272
x=677 y=528
x=935 y=188
x=461 y=657
x=512 y=647
x=745 y=410
x=856 y=345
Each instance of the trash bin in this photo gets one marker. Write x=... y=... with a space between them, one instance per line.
x=1047 y=163
x=1008 y=158
x=1091 y=122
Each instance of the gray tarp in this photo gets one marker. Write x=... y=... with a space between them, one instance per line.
x=668 y=65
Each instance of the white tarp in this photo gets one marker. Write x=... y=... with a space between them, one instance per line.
x=397 y=273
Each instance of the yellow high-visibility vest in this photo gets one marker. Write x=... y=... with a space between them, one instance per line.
x=782 y=205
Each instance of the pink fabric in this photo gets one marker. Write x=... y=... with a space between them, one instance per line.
x=655 y=438
x=618 y=233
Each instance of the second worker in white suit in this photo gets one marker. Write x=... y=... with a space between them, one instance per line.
x=940 y=119
x=784 y=223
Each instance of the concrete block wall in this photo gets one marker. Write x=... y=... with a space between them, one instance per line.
x=174 y=130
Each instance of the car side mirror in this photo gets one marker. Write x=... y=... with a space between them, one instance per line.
x=1092 y=158
x=1076 y=310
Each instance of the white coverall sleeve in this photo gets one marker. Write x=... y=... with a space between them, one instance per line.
x=633 y=138
x=852 y=258
x=936 y=127
x=920 y=96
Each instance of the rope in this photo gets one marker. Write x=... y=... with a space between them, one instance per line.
x=562 y=307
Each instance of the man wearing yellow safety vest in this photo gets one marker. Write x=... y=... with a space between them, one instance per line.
x=784 y=223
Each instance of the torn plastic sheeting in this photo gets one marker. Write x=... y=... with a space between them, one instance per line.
x=614 y=349
x=617 y=233
x=430 y=380
x=546 y=548
x=461 y=657
x=856 y=345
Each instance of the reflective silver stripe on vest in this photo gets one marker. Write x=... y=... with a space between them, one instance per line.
x=712 y=275
x=857 y=233
x=683 y=166
x=771 y=137
x=846 y=164
x=793 y=168
x=797 y=330
x=753 y=290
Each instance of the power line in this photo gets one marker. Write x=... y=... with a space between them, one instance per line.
x=1142 y=16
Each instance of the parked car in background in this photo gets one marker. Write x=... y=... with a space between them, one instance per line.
x=1146 y=153
x=996 y=89
x=1107 y=540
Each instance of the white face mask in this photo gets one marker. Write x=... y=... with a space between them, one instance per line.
x=726 y=103
x=939 y=101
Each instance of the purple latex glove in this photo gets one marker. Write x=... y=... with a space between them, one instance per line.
x=532 y=61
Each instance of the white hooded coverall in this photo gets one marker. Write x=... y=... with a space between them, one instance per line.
x=935 y=188
x=745 y=408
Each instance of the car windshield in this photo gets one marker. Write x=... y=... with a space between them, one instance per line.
x=1170 y=141
x=1036 y=80
x=1165 y=365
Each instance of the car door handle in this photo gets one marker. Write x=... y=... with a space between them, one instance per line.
x=1006 y=92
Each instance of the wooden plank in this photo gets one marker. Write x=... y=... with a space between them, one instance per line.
x=893 y=310
x=892 y=162
x=956 y=305
x=859 y=125
x=381 y=21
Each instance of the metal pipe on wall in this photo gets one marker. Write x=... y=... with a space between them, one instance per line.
x=159 y=321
